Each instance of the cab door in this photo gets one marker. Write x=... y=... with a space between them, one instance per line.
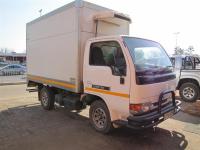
x=106 y=74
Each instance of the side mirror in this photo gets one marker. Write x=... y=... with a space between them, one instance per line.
x=118 y=71
x=115 y=71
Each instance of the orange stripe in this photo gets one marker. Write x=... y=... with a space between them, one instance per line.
x=107 y=92
x=50 y=81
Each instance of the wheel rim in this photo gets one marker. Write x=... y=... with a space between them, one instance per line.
x=188 y=92
x=44 y=98
x=99 y=118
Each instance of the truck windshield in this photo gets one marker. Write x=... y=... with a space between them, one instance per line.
x=151 y=61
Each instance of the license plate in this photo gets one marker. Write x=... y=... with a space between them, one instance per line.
x=168 y=115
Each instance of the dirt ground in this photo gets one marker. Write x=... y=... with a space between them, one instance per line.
x=25 y=125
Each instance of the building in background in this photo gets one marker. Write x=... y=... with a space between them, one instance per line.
x=19 y=58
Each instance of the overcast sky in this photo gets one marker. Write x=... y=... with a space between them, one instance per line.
x=153 y=19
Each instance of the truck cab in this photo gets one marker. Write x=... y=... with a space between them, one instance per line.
x=187 y=69
x=134 y=78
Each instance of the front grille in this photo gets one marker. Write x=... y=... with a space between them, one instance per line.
x=164 y=102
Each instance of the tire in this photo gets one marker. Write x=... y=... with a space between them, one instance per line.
x=103 y=124
x=39 y=92
x=189 y=92
x=47 y=98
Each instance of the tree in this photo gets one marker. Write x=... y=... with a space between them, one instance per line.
x=2 y=50
x=6 y=50
x=190 y=50
x=178 y=51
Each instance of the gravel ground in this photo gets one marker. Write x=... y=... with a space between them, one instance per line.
x=25 y=125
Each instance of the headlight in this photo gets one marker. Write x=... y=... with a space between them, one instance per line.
x=140 y=108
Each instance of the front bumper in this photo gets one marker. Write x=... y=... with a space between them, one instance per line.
x=155 y=117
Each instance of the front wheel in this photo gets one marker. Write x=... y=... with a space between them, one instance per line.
x=100 y=117
x=189 y=92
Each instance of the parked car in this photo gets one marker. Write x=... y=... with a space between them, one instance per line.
x=12 y=69
x=187 y=70
x=2 y=64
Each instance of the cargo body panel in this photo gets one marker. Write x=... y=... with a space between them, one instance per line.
x=56 y=43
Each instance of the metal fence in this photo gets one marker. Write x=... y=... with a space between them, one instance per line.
x=12 y=78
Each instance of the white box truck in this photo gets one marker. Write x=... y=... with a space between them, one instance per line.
x=77 y=56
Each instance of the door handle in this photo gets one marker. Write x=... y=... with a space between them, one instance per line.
x=122 y=80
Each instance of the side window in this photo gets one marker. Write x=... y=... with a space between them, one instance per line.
x=108 y=54
x=188 y=63
x=173 y=61
x=197 y=63
x=16 y=67
x=10 y=67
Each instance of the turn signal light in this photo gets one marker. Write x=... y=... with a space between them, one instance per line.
x=135 y=107
x=140 y=108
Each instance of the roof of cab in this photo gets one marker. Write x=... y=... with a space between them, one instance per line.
x=116 y=37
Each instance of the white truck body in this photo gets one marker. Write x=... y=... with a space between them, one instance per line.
x=57 y=41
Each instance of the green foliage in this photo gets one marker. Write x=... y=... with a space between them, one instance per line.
x=178 y=51
x=189 y=51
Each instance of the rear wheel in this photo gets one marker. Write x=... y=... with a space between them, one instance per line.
x=100 y=117
x=189 y=92
x=47 y=98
